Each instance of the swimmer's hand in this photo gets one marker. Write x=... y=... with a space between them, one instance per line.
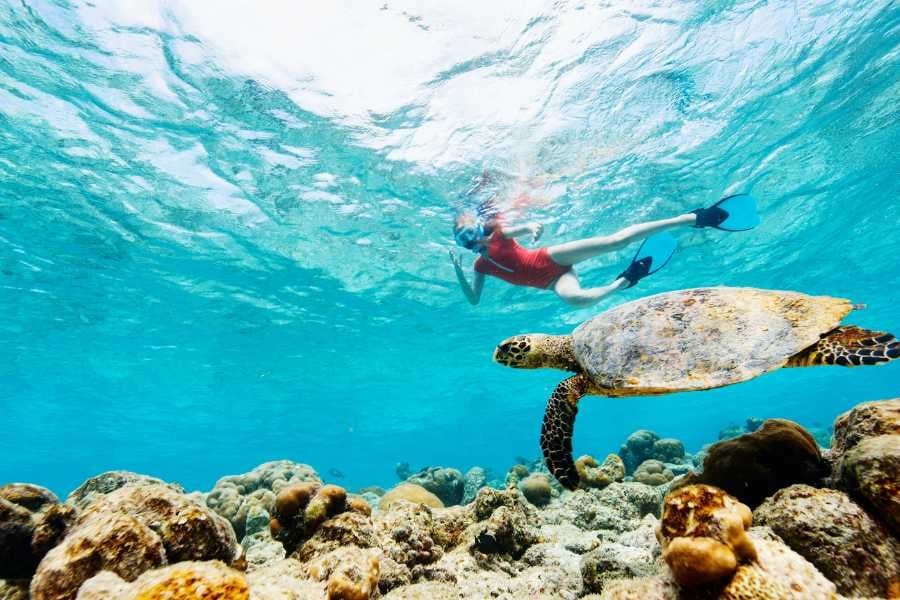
x=536 y=231
x=455 y=258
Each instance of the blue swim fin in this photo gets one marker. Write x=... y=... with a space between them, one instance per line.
x=653 y=255
x=734 y=213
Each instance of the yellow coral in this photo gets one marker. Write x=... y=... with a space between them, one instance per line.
x=703 y=534
x=751 y=583
x=358 y=505
x=411 y=493
x=198 y=580
x=599 y=476
x=699 y=560
x=186 y=583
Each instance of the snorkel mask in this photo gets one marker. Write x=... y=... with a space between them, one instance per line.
x=469 y=236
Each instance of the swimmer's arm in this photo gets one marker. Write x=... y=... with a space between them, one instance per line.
x=511 y=231
x=473 y=292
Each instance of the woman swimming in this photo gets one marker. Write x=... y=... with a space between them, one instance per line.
x=552 y=267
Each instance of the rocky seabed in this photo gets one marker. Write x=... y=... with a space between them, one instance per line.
x=763 y=514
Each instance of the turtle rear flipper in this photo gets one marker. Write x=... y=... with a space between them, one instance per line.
x=556 y=432
x=848 y=346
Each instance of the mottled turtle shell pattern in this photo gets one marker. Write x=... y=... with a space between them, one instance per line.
x=700 y=338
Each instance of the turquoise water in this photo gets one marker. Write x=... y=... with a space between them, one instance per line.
x=224 y=230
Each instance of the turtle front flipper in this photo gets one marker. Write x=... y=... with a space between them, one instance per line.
x=559 y=422
x=848 y=346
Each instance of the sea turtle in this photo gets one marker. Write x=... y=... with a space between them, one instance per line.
x=684 y=340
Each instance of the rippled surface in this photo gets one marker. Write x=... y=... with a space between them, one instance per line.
x=224 y=231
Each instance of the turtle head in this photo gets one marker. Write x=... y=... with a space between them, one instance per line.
x=537 y=351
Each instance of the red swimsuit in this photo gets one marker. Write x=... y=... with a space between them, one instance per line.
x=517 y=265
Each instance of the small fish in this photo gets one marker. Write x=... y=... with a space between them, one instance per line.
x=336 y=473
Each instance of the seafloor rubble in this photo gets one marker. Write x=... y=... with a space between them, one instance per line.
x=764 y=513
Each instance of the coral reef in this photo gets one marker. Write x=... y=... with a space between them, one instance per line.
x=234 y=496
x=703 y=534
x=644 y=445
x=446 y=484
x=828 y=529
x=129 y=531
x=592 y=475
x=124 y=535
x=866 y=456
x=32 y=521
x=475 y=479
x=409 y=492
x=653 y=472
x=637 y=448
x=755 y=465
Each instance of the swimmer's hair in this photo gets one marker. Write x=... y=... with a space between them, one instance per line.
x=458 y=224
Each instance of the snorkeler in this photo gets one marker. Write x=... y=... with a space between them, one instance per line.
x=552 y=267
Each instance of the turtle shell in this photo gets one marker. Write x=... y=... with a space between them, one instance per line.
x=700 y=338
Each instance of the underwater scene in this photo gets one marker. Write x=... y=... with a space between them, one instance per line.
x=301 y=300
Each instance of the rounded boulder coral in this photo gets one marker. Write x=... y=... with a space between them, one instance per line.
x=409 y=492
x=653 y=472
x=536 y=489
x=755 y=465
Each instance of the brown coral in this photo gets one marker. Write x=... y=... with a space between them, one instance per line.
x=32 y=521
x=330 y=500
x=292 y=500
x=310 y=519
x=755 y=465
x=703 y=534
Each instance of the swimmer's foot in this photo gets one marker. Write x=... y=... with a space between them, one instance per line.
x=734 y=213
x=652 y=256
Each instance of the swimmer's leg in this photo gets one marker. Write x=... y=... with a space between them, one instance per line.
x=569 y=289
x=571 y=253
